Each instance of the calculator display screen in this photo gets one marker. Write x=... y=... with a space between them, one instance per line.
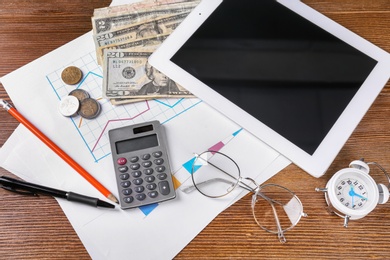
x=135 y=144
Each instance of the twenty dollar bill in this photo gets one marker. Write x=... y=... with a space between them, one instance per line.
x=127 y=74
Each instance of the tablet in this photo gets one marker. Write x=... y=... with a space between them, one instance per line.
x=292 y=77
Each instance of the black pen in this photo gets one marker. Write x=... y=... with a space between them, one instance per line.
x=26 y=188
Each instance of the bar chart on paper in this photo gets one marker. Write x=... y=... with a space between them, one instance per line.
x=94 y=132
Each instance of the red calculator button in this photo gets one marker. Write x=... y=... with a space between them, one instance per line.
x=121 y=161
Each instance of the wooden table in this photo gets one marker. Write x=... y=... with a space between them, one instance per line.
x=38 y=229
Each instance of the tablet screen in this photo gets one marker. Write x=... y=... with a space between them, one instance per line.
x=287 y=72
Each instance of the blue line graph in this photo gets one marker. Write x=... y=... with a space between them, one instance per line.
x=89 y=73
x=94 y=133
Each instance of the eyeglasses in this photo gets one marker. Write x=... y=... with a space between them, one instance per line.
x=275 y=208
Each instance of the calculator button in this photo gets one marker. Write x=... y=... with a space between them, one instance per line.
x=138 y=181
x=146 y=157
x=127 y=192
x=159 y=161
x=136 y=174
x=150 y=178
x=124 y=176
x=139 y=189
x=147 y=164
x=135 y=166
x=160 y=168
x=148 y=171
x=151 y=186
x=162 y=176
x=140 y=196
x=153 y=194
x=123 y=169
x=134 y=159
x=121 y=161
x=164 y=187
x=128 y=199
x=157 y=154
x=125 y=184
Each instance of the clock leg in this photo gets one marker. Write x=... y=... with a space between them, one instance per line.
x=346 y=220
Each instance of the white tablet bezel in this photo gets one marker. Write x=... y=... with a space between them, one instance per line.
x=317 y=163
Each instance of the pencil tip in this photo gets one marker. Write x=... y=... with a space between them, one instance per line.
x=112 y=198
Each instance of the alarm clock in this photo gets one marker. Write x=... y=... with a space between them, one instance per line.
x=352 y=193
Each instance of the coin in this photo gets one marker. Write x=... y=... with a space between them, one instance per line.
x=71 y=75
x=69 y=106
x=89 y=108
x=81 y=94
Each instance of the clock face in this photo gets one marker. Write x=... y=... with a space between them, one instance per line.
x=352 y=193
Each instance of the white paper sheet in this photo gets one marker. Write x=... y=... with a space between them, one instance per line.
x=191 y=126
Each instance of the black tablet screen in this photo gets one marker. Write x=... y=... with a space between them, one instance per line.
x=279 y=67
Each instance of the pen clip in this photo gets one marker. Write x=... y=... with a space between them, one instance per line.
x=29 y=193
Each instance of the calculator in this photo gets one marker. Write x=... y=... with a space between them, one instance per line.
x=141 y=163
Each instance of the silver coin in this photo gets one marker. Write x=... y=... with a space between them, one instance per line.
x=89 y=108
x=81 y=94
x=69 y=106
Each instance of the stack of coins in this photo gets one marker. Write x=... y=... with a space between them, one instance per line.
x=78 y=101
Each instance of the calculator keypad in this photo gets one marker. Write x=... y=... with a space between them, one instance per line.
x=143 y=179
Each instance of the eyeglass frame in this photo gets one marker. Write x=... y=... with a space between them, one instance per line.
x=256 y=193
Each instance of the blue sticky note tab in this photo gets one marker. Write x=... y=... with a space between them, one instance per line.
x=148 y=208
x=236 y=133
x=188 y=166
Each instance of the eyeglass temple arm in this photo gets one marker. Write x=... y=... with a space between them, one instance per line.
x=191 y=188
x=242 y=184
x=281 y=236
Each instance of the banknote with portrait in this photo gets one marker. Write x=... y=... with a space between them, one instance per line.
x=125 y=36
x=127 y=74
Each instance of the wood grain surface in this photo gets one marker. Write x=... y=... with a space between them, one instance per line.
x=33 y=228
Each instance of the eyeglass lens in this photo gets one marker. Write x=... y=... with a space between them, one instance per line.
x=275 y=208
x=274 y=201
x=214 y=174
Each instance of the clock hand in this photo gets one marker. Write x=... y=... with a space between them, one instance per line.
x=360 y=196
x=351 y=191
x=352 y=194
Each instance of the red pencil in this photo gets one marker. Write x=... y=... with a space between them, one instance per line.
x=57 y=150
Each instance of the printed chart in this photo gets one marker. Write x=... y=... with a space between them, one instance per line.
x=95 y=132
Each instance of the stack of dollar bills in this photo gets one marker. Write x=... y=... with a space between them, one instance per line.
x=125 y=36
